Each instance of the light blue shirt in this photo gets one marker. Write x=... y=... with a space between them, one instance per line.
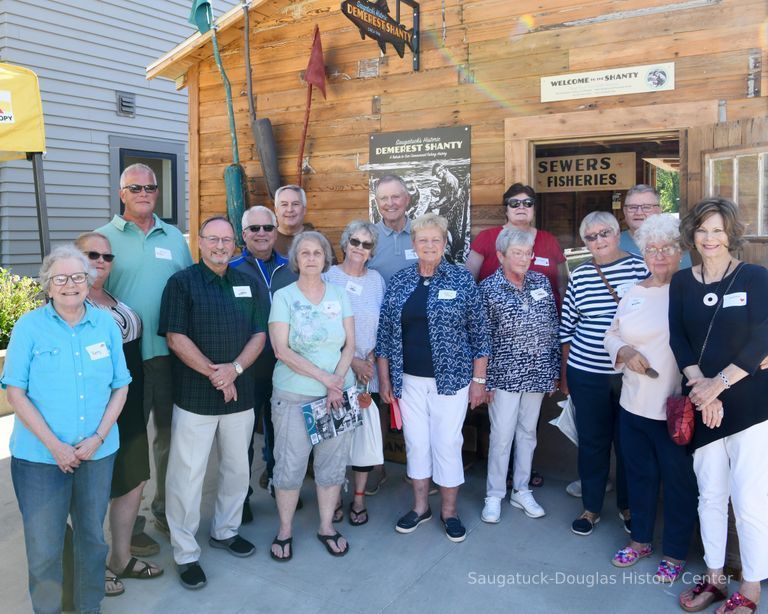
x=394 y=250
x=69 y=374
x=627 y=243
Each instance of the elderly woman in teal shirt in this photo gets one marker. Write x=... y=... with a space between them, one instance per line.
x=67 y=382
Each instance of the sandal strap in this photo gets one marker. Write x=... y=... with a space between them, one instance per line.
x=708 y=587
x=737 y=600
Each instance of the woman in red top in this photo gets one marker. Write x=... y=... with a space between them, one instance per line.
x=548 y=258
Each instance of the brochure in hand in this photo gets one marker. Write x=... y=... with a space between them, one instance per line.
x=324 y=424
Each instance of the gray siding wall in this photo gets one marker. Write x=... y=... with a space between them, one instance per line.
x=82 y=52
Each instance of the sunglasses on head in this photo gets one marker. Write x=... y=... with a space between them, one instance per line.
x=259 y=227
x=97 y=255
x=603 y=234
x=357 y=243
x=514 y=203
x=135 y=188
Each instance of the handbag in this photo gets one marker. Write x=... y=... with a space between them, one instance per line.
x=680 y=416
x=367 y=447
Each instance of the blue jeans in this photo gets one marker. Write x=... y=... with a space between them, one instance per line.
x=650 y=458
x=46 y=496
x=596 y=399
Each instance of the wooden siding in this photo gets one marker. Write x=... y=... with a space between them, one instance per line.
x=82 y=52
x=481 y=63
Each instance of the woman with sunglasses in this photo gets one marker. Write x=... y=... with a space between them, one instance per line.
x=519 y=208
x=365 y=289
x=131 y=469
x=588 y=373
x=67 y=382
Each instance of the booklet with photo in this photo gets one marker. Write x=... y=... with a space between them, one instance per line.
x=324 y=424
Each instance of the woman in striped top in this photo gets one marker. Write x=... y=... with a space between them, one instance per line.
x=593 y=293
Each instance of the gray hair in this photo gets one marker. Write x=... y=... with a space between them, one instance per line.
x=661 y=228
x=64 y=252
x=295 y=188
x=258 y=209
x=598 y=217
x=83 y=237
x=429 y=220
x=641 y=188
x=513 y=236
x=136 y=167
x=356 y=226
x=309 y=235
x=391 y=179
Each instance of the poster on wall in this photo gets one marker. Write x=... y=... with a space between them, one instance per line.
x=609 y=82
x=435 y=166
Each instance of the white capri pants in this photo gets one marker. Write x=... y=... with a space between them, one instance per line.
x=192 y=436
x=432 y=429
x=513 y=418
x=736 y=465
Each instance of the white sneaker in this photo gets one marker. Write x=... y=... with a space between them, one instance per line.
x=574 y=488
x=492 y=510
x=523 y=499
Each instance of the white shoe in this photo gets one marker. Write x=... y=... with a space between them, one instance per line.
x=574 y=488
x=523 y=499
x=492 y=510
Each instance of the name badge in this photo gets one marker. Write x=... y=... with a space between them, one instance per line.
x=332 y=308
x=737 y=299
x=623 y=289
x=163 y=254
x=540 y=261
x=97 y=351
x=636 y=303
x=354 y=288
x=410 y=254
x=446 y=295
x=538 y=294
x=242 y=291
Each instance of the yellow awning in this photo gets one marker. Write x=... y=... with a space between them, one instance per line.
x=21 y=113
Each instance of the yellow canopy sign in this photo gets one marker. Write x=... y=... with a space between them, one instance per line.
x=21 y=113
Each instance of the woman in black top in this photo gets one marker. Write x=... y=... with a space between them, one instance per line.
x=718 y=317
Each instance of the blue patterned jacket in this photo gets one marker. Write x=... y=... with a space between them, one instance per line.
x=458 y=332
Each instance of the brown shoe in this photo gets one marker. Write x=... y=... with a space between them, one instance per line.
x=143 y=545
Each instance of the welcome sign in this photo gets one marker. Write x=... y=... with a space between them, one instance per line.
x=609 y=82
x=586 y=173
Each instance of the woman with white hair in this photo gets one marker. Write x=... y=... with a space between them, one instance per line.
x=594 y=291
x=523 y=366
x=67 y=382
x=638 y=344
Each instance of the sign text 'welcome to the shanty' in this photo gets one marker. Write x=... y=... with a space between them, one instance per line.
x=586 y=173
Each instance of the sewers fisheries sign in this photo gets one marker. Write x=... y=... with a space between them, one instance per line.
x=586 y=173
x=609 y=82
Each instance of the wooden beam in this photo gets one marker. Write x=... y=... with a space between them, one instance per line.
x=194 y=157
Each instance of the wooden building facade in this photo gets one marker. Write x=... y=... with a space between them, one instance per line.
x=481 y=65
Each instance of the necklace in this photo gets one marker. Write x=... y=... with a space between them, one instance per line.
x=425 y=280
x=711 y=298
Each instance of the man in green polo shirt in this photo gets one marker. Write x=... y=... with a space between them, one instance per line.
x=147 y=252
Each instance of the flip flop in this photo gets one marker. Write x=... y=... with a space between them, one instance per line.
x=354 y=516
x=326 y=541
x=338 y=514
x=282 y=543
x=713 y=594
x=147 y=572
x=111 y=578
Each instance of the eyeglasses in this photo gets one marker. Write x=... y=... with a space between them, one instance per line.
x=603 y=234
x=357 y=243
x=667 y=250
x=97 y=255
x=514 y=203
x=135 y=188
x=645 y=208
x=259 y=227
x=210 y=239
x=516 y=253
x=61 y=280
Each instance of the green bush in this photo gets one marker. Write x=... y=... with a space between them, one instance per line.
x=18 y=295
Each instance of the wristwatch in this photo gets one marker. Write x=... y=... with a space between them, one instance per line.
x=237 y=367
x=478 y=380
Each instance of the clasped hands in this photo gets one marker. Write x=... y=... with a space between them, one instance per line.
x=222 y=377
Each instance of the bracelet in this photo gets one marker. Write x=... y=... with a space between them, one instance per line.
x=478 y=380
x=724 y=379
x=99 y=436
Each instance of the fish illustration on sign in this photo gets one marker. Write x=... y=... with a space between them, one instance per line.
x=372 y=19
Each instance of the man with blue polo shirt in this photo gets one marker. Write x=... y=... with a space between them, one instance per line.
x=149 y=252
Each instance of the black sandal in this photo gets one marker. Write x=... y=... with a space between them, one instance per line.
x=147 y=572
x=326 y=541
x=282 y=543
x=338 y=514
x=354 y=516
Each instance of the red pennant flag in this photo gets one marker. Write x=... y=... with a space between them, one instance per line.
x=315 y=74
